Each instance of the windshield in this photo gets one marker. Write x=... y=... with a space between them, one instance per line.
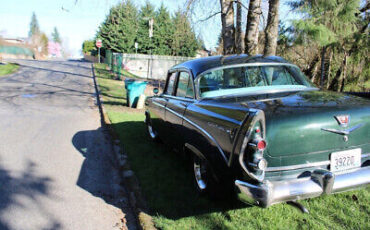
x=243 y=79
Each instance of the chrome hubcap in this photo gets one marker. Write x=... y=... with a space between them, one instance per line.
x=151 y=131
x=199 y=171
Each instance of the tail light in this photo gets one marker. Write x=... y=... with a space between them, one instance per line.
x=251 y=156
x=262 y=164
x=258 y=144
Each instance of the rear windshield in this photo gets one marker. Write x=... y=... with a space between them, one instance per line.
x=240 y=79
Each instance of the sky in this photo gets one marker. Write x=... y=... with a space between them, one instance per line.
x=79 y=20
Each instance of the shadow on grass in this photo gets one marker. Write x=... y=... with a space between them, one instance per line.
x=165 y=176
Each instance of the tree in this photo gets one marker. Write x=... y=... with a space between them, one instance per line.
x=55 y=35
x=333 y=25
x=163 y=32
x=184 y=42
x=238 y=28
x=147 y=13
x=44 y=43
x=228 y=29
x=88 y=47
x=252 y=29
x=118 y=31
x=272 y=28
x=34 y=26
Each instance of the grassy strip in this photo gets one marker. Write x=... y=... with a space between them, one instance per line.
x=112 y=91
x=102 y=70
x=165 y=178
x=8 y=69
x=166 y=183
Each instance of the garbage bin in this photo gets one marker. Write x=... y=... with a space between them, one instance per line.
x=133 y=91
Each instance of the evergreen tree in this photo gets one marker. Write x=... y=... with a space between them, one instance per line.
x=118 y=31
x=331 y=24
x=145 y=43
x=184 y=42
x=34 y=26
x=56 y=37
x=163 y=32
x=44 y=41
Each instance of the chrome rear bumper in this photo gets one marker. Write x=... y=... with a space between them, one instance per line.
x=321 y=182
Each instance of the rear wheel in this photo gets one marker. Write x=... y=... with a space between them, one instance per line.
x=204 y=180
x=151 y=132
x=200 y=174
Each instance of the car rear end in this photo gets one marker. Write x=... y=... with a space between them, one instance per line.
x=313 y=150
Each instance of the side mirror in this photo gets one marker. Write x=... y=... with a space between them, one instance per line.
x=155 y=91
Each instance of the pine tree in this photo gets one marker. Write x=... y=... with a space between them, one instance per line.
x=34 y=26
x=56 y=37
x=118 y=31
x=184 y=42
x=163 y=32
x=147 y=13
x=331 y=24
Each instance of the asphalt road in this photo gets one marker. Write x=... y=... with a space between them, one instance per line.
x=57 y=168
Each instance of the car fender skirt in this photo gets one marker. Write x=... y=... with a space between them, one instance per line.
x=321 y=182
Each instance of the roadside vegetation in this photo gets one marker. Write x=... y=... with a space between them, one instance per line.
x=327 y=39
x=9 y=68
x=166 y=181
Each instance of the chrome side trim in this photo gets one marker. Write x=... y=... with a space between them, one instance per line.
x=202 y=130
x=158 y=104
x=268 y=91
x=300 y=166
x=180 y=98
x=308 y=165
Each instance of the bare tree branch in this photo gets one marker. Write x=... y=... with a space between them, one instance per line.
x=209 y=17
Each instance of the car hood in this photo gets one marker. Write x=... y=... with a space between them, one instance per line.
x=294 y=120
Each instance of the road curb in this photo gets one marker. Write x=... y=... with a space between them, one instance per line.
x=129 y=178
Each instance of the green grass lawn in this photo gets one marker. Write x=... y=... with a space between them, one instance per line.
x=8 y=69
x=112 y=91
x=166 y=181
x=101 y=69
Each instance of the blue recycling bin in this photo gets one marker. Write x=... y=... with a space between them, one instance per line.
x=133 y=91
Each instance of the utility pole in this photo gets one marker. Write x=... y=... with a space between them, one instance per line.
x=151 y=23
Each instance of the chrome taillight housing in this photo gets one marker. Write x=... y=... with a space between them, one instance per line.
x=251 y=156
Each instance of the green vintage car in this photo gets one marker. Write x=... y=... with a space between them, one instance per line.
x=258 y=125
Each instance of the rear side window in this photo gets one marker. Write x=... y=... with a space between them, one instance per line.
x=170 y=84
x=185 y=86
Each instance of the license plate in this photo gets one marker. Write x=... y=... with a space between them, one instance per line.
x=344 y=160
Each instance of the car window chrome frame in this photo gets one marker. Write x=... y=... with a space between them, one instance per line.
x=197 y=78
x=190 y=78
x=173 y=96
x=170 y=72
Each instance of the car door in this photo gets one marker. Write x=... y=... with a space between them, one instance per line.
x=176 y=106
x=159 y=104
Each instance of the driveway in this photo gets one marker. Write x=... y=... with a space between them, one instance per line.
x=57 y=167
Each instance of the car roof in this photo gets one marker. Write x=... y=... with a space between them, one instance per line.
x=200 y=65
